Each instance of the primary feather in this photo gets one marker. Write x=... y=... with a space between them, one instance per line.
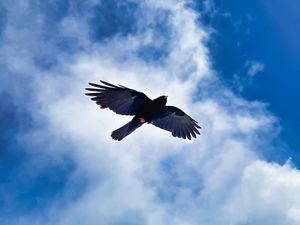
x=120 y=99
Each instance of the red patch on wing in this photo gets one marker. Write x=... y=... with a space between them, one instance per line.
x=142 y=120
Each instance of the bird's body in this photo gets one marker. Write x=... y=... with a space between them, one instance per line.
x=152 y=108
x=126 y=101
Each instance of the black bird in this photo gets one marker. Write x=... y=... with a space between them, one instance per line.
x=126 y=101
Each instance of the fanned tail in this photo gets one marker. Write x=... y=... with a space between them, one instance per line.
x=125 y=130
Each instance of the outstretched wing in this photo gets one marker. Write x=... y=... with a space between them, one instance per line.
x=120 y=99
x=176 y=121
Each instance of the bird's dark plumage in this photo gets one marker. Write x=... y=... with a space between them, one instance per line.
x=176 y=121
x=120 y=99
x=126 y=101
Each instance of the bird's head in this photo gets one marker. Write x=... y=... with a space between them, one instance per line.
x=162 y=100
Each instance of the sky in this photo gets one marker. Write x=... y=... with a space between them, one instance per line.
x=232 y=66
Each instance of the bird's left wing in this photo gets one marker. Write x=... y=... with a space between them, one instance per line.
x=176 y=121
x=120 y=99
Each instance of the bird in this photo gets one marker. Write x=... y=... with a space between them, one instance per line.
x=126 y=101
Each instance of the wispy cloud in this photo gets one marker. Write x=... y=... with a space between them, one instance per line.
x=254 y=67
x=150 y=177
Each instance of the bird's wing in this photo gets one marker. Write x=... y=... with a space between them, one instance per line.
x=176 y=121
x=120 y=99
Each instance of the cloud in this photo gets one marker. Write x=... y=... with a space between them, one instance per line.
x=150 y=177
x=265 y=193
x=254 y=67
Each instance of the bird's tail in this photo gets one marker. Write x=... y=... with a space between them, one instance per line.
x=125 y=130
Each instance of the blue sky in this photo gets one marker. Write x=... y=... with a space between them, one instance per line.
x=233 y=66
x=265 y=32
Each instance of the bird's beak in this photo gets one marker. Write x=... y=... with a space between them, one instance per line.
x=166 y=96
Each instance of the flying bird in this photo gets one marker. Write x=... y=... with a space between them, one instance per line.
x=126 y=101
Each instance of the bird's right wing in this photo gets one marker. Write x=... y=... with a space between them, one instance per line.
x=120 y=99
x=177 y=122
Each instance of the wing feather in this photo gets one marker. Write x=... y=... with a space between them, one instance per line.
x=177 y=122
x=120 y=99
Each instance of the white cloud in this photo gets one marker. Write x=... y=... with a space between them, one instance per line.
x=151 y=177
x=254 y=67
x=269 y=195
